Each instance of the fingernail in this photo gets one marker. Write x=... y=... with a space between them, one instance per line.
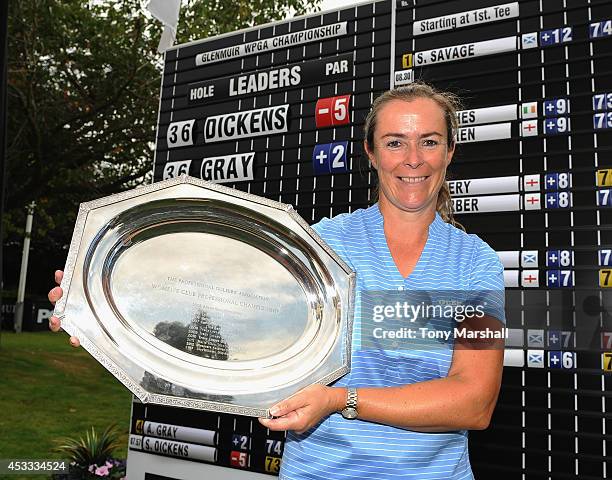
x=274 y=411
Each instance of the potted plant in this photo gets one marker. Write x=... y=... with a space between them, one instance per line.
x=91 y=457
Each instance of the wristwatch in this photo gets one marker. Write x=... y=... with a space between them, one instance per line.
x=350 y=410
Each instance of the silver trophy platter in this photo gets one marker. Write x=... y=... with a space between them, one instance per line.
x=201 y=296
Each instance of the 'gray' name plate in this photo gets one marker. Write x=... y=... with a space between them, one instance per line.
x=201 y=296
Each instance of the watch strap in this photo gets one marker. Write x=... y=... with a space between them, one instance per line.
x=351 y=397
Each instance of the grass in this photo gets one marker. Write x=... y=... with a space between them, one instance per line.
x=50 y=390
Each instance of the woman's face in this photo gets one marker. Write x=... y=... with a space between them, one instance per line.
x=410 y=153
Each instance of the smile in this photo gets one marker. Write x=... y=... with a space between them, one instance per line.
x=413 y=179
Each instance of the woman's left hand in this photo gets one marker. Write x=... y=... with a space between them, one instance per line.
x=305 y=409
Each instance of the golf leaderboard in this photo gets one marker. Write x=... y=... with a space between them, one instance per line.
x=278 y=111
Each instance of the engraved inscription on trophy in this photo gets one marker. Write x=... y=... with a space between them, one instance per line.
x=204 y=338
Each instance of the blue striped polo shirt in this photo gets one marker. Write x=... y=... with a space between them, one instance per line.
x=354 y=449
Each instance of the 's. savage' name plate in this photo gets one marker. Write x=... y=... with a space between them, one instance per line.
x=201 y=296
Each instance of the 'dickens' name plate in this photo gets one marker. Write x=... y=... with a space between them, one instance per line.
x=200 y=296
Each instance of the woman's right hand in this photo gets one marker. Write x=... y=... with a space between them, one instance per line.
x=54 y=295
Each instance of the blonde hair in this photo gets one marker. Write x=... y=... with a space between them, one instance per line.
x=448 y=102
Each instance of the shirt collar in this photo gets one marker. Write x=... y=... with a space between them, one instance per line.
x=437 y=226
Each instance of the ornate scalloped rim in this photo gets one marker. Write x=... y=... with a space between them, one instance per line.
x=183 y=179
x=335 y=375
x=206 y=405
x=77 y=235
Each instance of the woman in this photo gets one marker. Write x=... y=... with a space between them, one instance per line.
x=401 y=413
x=405 y=241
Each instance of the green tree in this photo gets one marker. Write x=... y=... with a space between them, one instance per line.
x=83 y=90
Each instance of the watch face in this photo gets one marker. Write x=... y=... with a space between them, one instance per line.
x=349 y=413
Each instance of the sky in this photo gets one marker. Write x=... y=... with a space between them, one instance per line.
x=333 y=4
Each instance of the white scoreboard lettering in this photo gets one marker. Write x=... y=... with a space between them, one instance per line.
x=514 y=357
x=515 y=337
x=467 y=50
x=509 y=258
x=176 y=169
x=262 y=81
x=179 y=449
x=499 y=113
x=481 y=133
x=491 y=203
x=228 y=168
x=250 y=123
x=180 y=134
x=511 y=278
x=465 y=19
x=274 y=43
x=135 y=442
x=176 y=432
x=311 y=72
x=403 y=77
x=600 y=29
x=484 y=186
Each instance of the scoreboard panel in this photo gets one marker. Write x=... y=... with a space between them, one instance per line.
x=278 y=111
